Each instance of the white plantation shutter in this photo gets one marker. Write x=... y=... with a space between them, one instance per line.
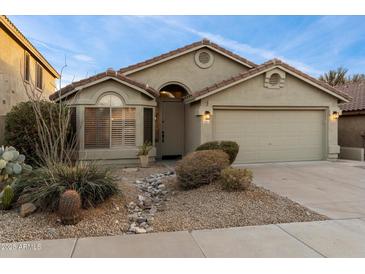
x=97 y=128
x=123 y=127
x=110 y=127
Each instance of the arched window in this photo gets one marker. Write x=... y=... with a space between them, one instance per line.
x=109 y=124
x=110 y=100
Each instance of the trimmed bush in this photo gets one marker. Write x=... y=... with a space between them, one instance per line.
x=235 y=179
x=44 y=186
x=229 y=147
x=200 y=167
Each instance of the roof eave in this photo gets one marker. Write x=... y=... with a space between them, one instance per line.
x=56 y=97
x=127 y=71
x=249 y=76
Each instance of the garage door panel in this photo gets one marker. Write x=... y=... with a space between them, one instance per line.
x=272 y=135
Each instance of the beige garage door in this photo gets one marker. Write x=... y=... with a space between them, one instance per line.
x=272 y=135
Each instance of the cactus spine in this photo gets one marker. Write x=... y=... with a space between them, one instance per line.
x=69 y=207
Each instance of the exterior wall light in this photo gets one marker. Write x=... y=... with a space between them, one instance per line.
x=334 y=116
x=207 y=116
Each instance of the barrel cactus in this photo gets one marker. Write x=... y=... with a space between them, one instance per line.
x=69 y=207
x=7 y=197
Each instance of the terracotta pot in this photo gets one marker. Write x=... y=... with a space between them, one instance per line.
x=144 y=160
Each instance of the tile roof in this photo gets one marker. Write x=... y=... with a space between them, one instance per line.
x=357 y=92
x=262 y=67
x=109 y=73
x=203 y=42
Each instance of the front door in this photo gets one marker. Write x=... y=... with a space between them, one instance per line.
x=172 y=128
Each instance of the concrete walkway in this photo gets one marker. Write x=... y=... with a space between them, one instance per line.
x=334 y=238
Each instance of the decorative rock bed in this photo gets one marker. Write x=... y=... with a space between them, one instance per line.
x=154 y=193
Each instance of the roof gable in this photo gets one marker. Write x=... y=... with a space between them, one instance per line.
x=101 y=77
x=184 y=50
x=220 y=86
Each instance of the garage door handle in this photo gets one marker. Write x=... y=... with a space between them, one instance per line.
x=163 y=136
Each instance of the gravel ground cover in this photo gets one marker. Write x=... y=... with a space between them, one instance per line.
x=211 y=207
x=109 y=218
x=203 y=208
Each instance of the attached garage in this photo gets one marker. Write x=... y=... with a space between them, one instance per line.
x=271 y=135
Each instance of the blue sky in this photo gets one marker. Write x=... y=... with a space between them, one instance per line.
x=91 y=44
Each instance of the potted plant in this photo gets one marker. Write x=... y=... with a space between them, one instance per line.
x=143 y=153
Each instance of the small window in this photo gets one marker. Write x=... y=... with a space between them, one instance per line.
x=26 y=67
x=147 y=125
x=39 y=76
x=72 y=137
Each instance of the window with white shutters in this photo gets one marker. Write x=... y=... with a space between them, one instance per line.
x=97 y=128
x=123 y=127
x=110 y=127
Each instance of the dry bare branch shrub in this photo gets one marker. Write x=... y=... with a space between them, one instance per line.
x=56 y=143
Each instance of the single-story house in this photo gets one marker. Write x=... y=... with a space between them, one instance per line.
x=203 y=92
x=351 y=124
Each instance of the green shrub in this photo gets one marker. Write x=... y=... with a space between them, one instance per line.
x=21 y=128
x=235 y=179
x=229 y=147
x=44 y=186
x=200 y=168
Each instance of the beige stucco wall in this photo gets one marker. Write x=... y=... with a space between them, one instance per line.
x=89 y=97
x=350 y=128
x=12 y=89
x=295 y=93
x=184 y=70
x=192 y=127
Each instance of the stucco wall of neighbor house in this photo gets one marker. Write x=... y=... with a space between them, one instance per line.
x=350 y=128
x=88 y=97
x=184 y=70
x=295 y=94
x=192 y=127
x=12 y=90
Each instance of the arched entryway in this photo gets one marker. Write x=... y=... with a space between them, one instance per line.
x=170 y=121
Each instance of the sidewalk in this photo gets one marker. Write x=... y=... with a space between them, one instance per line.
x=333 y=238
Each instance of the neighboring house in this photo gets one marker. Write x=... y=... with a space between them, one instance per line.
x=203 y=92
x=351 y=124
x=20 y=63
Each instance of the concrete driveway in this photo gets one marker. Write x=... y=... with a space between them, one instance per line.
x=335 y=189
